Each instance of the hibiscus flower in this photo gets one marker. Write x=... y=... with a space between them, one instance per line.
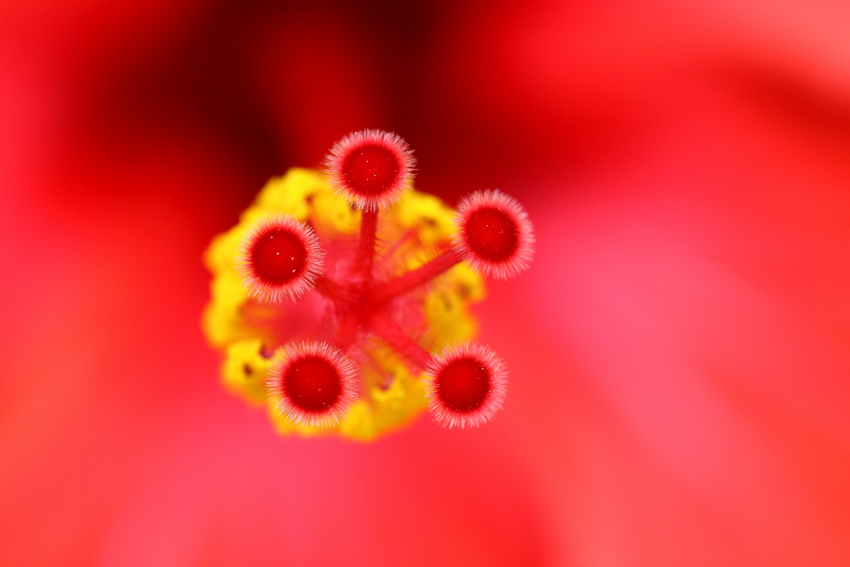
x=677 y=351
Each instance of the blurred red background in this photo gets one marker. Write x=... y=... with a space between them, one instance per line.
x=678 y=352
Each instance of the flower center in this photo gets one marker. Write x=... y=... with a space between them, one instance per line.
x=312 y=384
x=278 y=256
x=463 y=385
x=491 y=234
x=371 y=170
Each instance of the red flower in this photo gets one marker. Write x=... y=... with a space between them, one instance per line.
x=681 y=336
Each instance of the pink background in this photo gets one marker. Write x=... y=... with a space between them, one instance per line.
x=679 y=351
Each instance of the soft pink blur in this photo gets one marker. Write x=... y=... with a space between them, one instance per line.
x=679 y=351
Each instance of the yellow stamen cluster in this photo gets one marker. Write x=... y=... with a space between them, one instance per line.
x=247 y=332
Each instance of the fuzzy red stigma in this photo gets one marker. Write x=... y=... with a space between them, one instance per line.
x=312 y=383
x=372 y=168
x=466 y=385
x=495 y=235
x=279 y=259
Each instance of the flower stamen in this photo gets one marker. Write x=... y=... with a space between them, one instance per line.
x=415 y=278
x=378 y=301
x=396 y=338
x=365 y=254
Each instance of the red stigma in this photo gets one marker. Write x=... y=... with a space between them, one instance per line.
x=312 y=383
x=279 y=259
x=372 y=168
x=495 y=235
x=491 y=234
x=278 y=256
x=467 y=385
x=463 y=384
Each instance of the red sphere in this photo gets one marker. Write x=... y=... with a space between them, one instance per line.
x=466 y=385
x=279 y=259
x=494 y=234
x=312 y=383
x=372 y=168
